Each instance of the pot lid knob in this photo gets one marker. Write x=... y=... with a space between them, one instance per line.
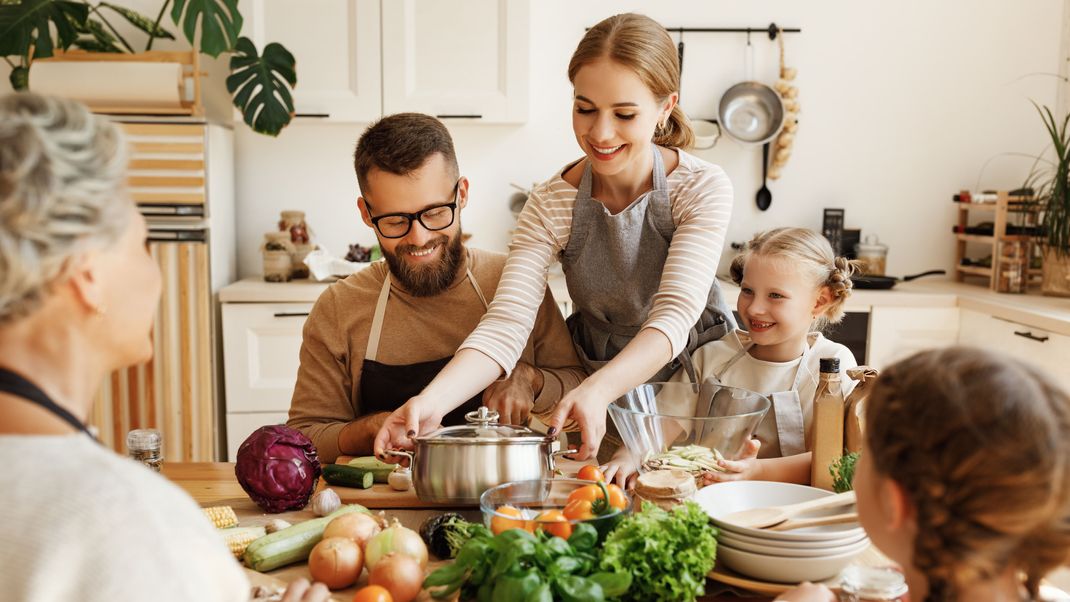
x=483 y=416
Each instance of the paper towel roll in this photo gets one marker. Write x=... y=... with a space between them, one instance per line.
x=120 y=84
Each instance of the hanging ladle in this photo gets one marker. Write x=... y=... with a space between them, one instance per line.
x=764 y=198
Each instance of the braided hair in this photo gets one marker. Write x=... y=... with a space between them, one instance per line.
x=981 y=443
x=808 y=251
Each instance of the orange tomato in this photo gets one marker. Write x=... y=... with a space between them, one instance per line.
x=500 y=524
x=616 y=497
x=554 y=522
x=588 y=493
x=373 y=593
x=578 y=510
x=590 y=472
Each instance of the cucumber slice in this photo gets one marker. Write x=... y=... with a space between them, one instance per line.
x=380 y=469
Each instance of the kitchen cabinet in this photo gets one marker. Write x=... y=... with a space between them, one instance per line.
x=262 y=345
x=336 y=45
x=897 y=332
x=357 y=60
x=1044 y=350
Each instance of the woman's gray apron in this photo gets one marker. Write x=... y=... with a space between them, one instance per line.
x=613 y=266
x=787 y=410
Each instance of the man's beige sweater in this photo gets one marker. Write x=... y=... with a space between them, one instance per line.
x=415 y=329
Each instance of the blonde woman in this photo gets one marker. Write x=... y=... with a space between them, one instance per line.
x=78 y=291
x=638 y=225
x=964 y=479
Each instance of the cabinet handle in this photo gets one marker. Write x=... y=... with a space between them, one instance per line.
x=313 y=115
x=459 y=116
x=1031 y=336
x=291 y=314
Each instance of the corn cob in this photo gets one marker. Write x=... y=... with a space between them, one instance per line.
x=221 y=516
x=239 y=538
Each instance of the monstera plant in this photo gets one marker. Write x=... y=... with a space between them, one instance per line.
x=259 y=83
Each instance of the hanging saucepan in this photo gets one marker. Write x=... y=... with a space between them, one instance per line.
x=887 y=282
x=751 y=112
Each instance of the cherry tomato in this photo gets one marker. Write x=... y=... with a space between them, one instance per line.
x=617 y=498
x=578 y=510
x=590 y=472
x=554 y=523
x=500 y=524
x=373 y=593
x=588 y=493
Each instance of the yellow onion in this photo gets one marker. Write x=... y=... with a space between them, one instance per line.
x=395 y=539
x=358 y=526
x=336 y=562
x=401 y=575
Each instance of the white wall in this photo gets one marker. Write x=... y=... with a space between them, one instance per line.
x=903 y=103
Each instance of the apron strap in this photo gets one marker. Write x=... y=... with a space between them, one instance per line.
x=380 y=310
x=15 y=384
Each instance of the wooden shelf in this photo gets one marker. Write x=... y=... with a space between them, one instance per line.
x=989 y=238
x=1026 y=210
x=974 y=270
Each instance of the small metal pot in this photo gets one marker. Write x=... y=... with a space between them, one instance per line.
x=455 y=465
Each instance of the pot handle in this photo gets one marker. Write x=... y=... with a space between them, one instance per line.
x=400 y=452
x=556 y=454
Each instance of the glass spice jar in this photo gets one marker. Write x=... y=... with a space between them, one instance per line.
x=873 y=255
x=294 y=223
x=872 y=584
x=146 y=446
x=278 y=256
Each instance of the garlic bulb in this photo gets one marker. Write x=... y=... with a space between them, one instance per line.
x=400 y=479
x=276 y=524
x=325 y=502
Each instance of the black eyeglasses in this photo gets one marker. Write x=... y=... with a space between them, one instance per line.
x=397 y=225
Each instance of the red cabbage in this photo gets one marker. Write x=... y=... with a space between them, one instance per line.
x=277 y=466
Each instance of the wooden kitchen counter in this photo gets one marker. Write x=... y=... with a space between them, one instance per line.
x=214 y=484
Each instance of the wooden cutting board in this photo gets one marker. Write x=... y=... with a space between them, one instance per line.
x=381 y=495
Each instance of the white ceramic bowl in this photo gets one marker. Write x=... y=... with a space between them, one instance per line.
x=722 y=499
x=787 y=569
x=777 y=549
x=733 y=539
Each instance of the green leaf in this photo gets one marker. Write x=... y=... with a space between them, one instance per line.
x=258 y=85
x=140 y=21
x=220 y=23
x=19 y=78
x=584 y=537
x=30 y=22
x=571 y=588
x=614 y=585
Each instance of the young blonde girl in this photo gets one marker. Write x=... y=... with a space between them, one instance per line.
x=964 y=479
x=791 y=286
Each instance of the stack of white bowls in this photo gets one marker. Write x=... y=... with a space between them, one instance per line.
x=807 y=554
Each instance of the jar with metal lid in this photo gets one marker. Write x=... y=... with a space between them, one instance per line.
x=456 y=464
x=872 y=584
x=873 y=254
x=146 y=446
x=278 y=253
x=293 y=222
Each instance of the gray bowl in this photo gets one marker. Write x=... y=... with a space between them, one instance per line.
x=751 y=112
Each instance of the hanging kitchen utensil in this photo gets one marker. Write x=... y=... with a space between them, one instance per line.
x=764 y=198
x=751 y=112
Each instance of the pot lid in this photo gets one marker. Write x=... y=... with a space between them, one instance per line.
x=482 y=427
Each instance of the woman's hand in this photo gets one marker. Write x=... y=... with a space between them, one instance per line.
x=746 y=468
x=622 y=468
x=301 y=591
x=414 y=417
x=586 y=405
x=807 y=592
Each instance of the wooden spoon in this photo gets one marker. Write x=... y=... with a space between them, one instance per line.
x=817 y=521
x=760 y=518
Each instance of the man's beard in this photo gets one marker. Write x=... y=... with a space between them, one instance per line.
x=428 y=280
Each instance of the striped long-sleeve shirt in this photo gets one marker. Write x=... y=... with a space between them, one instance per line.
x=700 y=195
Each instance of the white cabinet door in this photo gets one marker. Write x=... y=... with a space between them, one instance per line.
x=457 y=59
x=897 y=332
x=261 y=351
x=1045 y=351
x=336 y=46
x=240 y=426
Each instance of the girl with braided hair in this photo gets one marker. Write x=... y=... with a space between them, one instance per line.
x=791 y=286
x=964 y=478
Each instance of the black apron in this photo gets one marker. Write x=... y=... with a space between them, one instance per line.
x=384 y=388
x=18 y=386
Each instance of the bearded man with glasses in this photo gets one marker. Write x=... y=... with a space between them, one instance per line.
x=376 y=338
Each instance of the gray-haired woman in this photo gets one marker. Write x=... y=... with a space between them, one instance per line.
x=78 y=291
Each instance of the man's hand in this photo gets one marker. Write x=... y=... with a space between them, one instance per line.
x=357 y=436
x=514 y=397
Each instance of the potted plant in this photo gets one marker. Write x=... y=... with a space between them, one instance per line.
x=259 y=84
x=1052 y=185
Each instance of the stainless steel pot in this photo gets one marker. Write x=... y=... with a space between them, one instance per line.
x=457 y=464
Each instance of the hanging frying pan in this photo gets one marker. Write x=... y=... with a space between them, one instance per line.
x=887 y=282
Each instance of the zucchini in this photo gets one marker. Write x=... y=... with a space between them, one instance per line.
x=347 y=476
x=380 y=469
x=292 y=544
